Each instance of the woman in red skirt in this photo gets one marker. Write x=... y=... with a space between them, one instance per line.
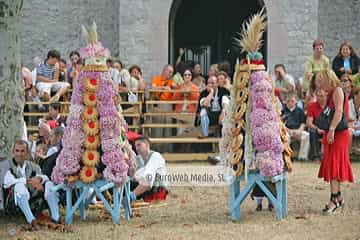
x=335 y=166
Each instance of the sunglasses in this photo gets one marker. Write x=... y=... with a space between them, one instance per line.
x=187 y=74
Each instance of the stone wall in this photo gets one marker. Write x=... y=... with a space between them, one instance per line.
x=292 y=28
x=339 y=21
x=56 y=24
x=144 y=34
x=138 y=31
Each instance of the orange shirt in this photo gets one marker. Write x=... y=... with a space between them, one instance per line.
x=158 y=81
x=192 y=96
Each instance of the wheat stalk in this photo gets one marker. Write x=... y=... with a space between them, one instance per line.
x=252 y=31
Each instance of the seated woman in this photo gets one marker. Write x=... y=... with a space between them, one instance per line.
x=347 y=84
x=224 y=80
x=192 y=94
x=136 y=82
x=314 y=63
x=346 y=61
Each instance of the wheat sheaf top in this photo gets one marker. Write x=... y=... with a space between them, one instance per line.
x=95 y=54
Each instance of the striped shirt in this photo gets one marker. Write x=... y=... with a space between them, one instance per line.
x=46 y=70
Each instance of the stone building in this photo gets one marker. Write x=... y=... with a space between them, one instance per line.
x=148 y=32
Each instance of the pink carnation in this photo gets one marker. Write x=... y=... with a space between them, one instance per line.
x=257 y=76
x=259 y=116
x=94 y=50
x=67 y=163
x=270 y=163
x=57 y=176
x=74 y=123
x=116 y=171
x=107 y=109
x=265 y=129
x=109 y=145
x=262 y=87
x=76 y=97
x=106 y=92
x=114 y=155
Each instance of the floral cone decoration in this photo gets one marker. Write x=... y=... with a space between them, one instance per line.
x=265 y=129
x=253 y=134
x=95 y=133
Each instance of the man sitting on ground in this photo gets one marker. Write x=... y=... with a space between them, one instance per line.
x=148 y=183
x=25 y=182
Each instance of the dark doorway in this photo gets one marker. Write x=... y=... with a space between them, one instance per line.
x=206 y=28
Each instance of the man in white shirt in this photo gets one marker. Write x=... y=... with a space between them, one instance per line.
x=25 y=180
x=212 y=102
x=284 y=82
x=148 y=180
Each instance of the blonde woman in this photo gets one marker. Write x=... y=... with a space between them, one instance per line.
x=335 y=166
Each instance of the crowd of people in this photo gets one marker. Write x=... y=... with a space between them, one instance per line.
x=324 y=84
x=301 y=101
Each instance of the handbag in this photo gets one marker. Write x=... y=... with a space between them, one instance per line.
x=326 y=116
x=132 y=98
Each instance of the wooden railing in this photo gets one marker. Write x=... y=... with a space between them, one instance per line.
x=144 y=121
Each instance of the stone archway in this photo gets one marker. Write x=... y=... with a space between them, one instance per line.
x=210 y=24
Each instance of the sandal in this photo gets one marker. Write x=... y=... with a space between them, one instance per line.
x=340 y=200
x=331 y=209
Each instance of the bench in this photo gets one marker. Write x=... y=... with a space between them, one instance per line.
x=187 y=157
x=82 y=201
x=280 y=201
x=184 y=140
x=134 y=112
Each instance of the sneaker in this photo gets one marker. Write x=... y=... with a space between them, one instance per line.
x=259 y=208
x=55 y=98
x=270 y=207
x=213 y=160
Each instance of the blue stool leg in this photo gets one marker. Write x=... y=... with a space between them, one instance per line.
x=116 y=206
x=279 y=194
x=127 y=205
x=285 y=197
x=69 y=213
x=84 y=191
x=234 y=193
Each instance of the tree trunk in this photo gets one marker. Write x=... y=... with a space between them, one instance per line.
x=11 y=87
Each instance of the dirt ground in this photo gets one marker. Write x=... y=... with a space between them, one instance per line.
x=202 y=213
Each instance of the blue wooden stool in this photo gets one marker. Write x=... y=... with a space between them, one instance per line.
x=254 y=178
x=82 y=202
